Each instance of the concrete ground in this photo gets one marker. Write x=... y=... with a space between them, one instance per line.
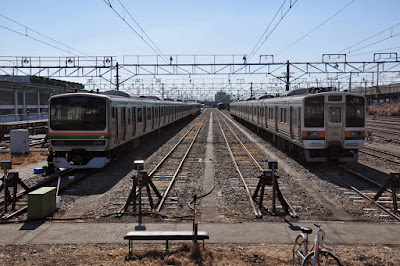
x=251 y=232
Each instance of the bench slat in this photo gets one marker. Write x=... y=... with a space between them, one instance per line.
x=165 y=235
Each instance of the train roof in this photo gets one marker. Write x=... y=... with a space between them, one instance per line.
x=121 y=98
x=294 y=98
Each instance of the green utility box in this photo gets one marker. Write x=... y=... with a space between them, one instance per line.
x=41 y=202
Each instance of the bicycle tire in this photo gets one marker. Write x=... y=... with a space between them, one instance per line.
x=325 y=258
x=298 y=247
x=369 y=139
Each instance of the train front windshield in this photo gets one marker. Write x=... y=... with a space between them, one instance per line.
x=314 y=111
x=78 y=113
x=355 y=115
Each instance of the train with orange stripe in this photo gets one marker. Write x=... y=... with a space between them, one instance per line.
x=87 y=130
x=321 y=126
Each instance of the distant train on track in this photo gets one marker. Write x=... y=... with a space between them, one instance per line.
x=322 y=126
x=87 y=129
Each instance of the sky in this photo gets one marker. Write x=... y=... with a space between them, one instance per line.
x=301 y=33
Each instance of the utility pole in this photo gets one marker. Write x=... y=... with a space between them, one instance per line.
x=251 y=90
x=350 y=82
x=287 y=75
x=117 y=77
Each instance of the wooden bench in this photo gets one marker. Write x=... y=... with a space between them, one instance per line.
x=163 y=235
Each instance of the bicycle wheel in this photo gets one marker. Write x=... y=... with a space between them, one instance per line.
x=298 y=251
x=369 y=139
x=325 y=258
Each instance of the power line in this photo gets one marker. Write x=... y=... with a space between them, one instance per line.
x=43 y=42
x=264 y=35
x=41 y=34
x=373 y=36
x=155 y=48
x=320 y=25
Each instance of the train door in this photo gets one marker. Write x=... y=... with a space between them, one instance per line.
x=123 y=123
x=334 y=127
x=292 y=118
x=266 y=116
x=117 y=127
x=133 y=121
x=144 y=118
x=153 y=117
x=299 y=123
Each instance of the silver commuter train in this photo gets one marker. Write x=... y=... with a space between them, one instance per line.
x=323 y=126
x=86 y=129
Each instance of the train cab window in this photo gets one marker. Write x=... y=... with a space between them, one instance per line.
x=355 y=111
x=78 y=113
x=314 y=111
x=139 y=115
x=335 y=114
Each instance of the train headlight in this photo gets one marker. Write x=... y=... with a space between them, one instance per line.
x=312 y=133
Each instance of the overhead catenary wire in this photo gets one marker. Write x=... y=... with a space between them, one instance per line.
x=320 y=25
x=153 y=47
x=369 y=38
x=265 y=36
x=68 y=50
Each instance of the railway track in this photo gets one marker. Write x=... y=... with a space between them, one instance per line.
x=169 y=170
x=61 y=180
x=380 y=154
x=245 y=162
x=363 y=191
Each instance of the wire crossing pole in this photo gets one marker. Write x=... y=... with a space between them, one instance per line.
x=287 y=75
x=117 y=76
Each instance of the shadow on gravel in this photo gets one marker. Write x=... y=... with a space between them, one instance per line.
x=115 y=171
x=334 y=168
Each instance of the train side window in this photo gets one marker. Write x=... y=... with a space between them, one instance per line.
x=134 y=115
x=162 y=111
x=140 y=116
x=148 y=113
x=113 y=112
x=285 y=115
x=129 y=116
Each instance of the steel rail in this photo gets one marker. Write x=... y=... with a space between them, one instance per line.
x=380 y=157
x=46 y=182
x=294 y=214
x=40 y=184
x=395 y=216
x=362 y=177
x=171 y=183
x=244 y=147
x=176 y=145
x=122 y=209
x=255 y=208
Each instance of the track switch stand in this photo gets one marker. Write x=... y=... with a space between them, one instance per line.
x=10 y=179
x=394 y=183
x=269 y=178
